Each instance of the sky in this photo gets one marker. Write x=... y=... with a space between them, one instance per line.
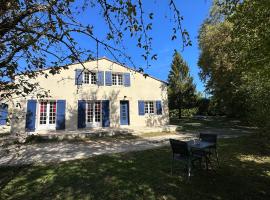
x=194 y=13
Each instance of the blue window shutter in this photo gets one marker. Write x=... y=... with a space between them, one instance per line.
x=81 y=113
x=105 y=113
x=141 y=107
x=3 y=114
x=108 y=78
x=60 y=114
x=159 y=107
x=30 y=124
x=78 y=76
x=100 y=78
x=127 y=79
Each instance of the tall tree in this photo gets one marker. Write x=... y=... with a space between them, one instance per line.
x=235 y=58
x=181 y=89
x=35 y=35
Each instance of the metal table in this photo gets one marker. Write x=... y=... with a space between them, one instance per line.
x=200 y=146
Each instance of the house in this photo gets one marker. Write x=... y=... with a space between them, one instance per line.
x=101 y=95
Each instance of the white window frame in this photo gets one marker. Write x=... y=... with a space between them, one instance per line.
x=147 y=107
x=47 y=125
x=86 y=77
x=118 y=79
x=93 y=122
x=92 y=78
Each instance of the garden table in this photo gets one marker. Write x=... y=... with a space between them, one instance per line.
x=200 y=147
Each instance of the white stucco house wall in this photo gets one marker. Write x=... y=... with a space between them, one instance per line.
x=104 y=95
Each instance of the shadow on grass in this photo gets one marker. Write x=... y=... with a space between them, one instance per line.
x=210 y=123
x=36 y=139
x=146 y=175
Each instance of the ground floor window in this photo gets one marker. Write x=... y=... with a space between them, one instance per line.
x=149 y=107
x=93 y=112
x=47 y=112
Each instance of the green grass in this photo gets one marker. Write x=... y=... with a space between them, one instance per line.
x=196 y=124
x=244 y=174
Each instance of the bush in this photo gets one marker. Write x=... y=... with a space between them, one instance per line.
x=185 y=112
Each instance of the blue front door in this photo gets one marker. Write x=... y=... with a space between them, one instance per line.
x=124 y=112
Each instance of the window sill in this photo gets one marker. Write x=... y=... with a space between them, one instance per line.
x=150 y=114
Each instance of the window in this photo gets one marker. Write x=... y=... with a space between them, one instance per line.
x=86 y=77
x=93 y=111
x=43 y=112
x=114 y=79
x=149 y=107
x=52 y=112
x=93 y=78
x=117 y=79
x=120 y=79
x=47 y=112
x=97 y=111
x=90 y=78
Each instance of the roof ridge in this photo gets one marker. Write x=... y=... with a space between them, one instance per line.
x=104 y=57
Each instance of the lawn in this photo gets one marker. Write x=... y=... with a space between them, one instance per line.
x=244 y=174
x=220 y=124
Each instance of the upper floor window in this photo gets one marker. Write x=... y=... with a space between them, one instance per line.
x=90 y=78
x=149 y=107
x=117 y=79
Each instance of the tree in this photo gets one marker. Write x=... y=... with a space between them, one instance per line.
x=35 y=35
x=235 y=59
x=181 y=90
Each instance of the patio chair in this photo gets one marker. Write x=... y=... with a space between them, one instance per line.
x=181 y=152
x=207 y=137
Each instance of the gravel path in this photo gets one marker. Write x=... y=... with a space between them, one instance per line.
x=55 y=152
x=64 y=151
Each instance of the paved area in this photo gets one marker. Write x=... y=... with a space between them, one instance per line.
x=54 y=152
x=64 y=151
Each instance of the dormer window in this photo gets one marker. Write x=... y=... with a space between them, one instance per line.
x=90 y=78
x=117 y=79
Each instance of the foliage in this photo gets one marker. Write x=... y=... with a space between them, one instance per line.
x=186 y=112
x=181 y=89
x=35 y=35
x=235 y=59
x=203 y=106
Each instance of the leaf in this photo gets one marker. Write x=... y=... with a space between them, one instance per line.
x=145 y=75
x=154 y=57
x=140 y=69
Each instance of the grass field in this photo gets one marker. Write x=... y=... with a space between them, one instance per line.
x=244 y=174
x=211 y=124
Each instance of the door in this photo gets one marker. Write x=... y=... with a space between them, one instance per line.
x=124 y=112
x=93 y=114
x=47 y=115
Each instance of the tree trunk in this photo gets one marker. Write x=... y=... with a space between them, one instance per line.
x=179 y=113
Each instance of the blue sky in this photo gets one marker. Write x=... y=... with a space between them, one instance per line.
x=193 y=11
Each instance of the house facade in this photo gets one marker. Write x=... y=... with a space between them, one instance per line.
x=102 y=94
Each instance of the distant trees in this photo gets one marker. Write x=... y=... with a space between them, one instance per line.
x=235 y=58
x=181 y=89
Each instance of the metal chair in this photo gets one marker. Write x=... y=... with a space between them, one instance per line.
x=207 y=137
x=181 y=152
